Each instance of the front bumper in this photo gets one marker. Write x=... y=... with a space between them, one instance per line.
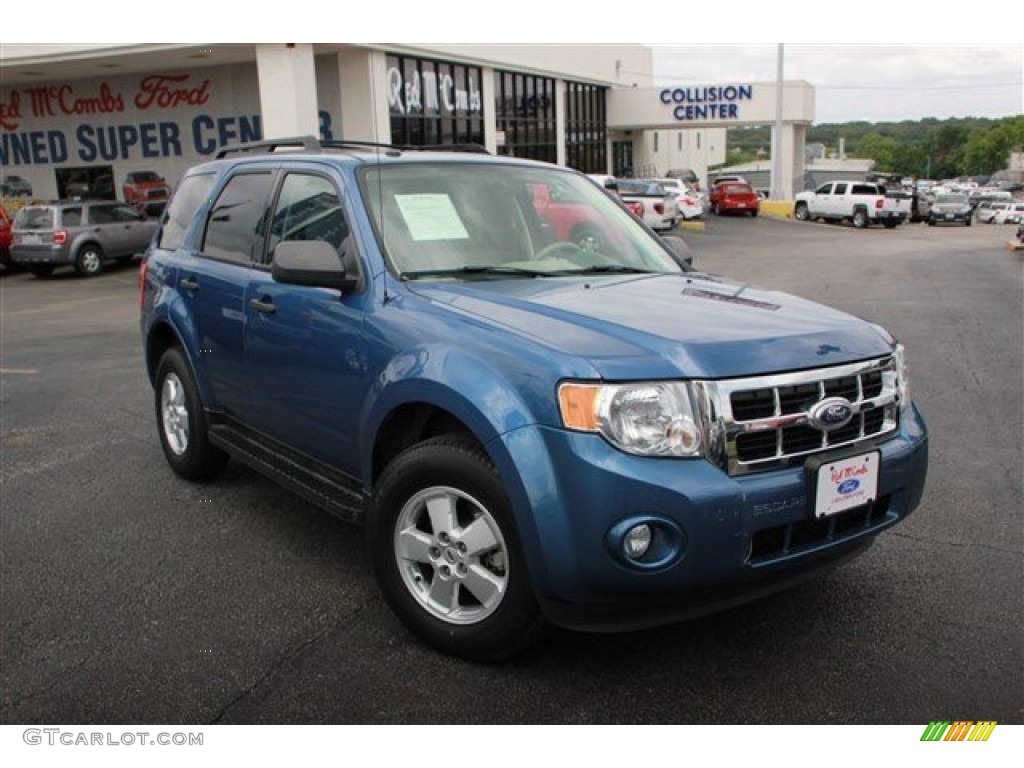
x=738 y=537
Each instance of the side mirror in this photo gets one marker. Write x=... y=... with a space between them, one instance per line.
x=680 y=250
x=310 y=262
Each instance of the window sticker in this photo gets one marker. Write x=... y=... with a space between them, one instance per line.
x=431 y=217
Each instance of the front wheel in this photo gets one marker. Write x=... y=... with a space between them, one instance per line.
x=801 y=213
x=447 y=554
x=182 y=422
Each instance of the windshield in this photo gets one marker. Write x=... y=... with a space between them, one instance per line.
x=952 y=199
x=477 y=221
x=145 y=176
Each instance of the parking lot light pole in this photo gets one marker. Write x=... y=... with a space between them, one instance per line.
x=777 y=192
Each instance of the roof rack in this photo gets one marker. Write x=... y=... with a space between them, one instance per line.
x=314 y=145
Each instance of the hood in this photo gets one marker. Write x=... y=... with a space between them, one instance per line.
x=666 y=326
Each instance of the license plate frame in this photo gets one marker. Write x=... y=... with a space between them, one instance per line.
x=840 y=482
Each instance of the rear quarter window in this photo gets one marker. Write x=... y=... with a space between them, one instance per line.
x=191 y=193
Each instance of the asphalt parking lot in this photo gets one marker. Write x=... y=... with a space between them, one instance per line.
x=130 y=596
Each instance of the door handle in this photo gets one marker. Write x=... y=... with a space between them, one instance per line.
x=190 y=284
x=265 y=307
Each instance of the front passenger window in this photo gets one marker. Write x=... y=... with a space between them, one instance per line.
x=309 y=209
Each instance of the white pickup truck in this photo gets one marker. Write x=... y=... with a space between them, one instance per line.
x=862 y=202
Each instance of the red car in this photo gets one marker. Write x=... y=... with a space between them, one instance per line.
x=146 y=191
x=5 y=237
x=734 y=196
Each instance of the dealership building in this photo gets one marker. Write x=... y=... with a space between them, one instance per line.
x=76 y=116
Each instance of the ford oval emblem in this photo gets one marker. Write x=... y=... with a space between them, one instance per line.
x=831 y=413
x=849 y=486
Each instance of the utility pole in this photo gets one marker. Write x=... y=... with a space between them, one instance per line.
x=777 y=191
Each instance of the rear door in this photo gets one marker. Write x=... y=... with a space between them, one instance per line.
x=213 y=280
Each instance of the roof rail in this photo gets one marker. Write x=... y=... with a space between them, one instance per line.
x=307 y=143
x=315 y=145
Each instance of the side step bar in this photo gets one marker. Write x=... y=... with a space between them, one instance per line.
x=328 y=489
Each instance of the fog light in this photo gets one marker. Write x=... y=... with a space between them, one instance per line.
x=637 y=541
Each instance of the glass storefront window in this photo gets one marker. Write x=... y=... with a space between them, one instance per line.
x=434 y=102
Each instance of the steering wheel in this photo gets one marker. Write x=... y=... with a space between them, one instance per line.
x=548 y=251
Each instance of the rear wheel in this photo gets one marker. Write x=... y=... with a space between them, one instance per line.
x=182 y=422
x=89 y=261
x=860 y=218
x=447 y=553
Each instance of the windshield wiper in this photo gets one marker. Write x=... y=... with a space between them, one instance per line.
x=481 y=269
x=612 y=269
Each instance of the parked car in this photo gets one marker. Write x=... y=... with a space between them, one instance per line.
x=734 y=197
x=659 y=209
x=986 y=210
x=5 y=237
x=147 y=191
x=861 y=202
x=531 y=431
x=689 y=202
x=950 y=208
x=1011 y=214
x=685 y=174
x=81 y=234
x=14 y=186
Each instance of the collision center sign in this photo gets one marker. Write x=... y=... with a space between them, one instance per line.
x=715 y=102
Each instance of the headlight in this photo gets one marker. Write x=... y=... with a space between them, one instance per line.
x=902 y=376
x=646 y=419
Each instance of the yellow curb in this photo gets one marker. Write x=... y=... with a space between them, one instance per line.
x=693 y=226
x=1014 y=245
x=780 y=208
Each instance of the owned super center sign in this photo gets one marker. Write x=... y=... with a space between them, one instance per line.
x=153 y=116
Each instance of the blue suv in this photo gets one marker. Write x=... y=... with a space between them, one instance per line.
x=538 y=410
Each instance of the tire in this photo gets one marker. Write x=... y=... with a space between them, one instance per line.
x=890 y=224
x=860 y=218
x=931 y=222
x=89 y=261
x=968 y=222
x=473 y=602
x=181 y=421
x=41 y=270
x=753 y=214
x=801 y=213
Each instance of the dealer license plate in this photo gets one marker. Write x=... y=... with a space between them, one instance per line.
x=846 y=484
x=949 y=217
x=31 y=239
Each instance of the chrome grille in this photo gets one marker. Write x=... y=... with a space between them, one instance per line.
x=766 y=420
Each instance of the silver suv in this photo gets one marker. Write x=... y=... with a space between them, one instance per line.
x=80 y=233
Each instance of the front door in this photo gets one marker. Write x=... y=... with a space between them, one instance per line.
x=307 y=343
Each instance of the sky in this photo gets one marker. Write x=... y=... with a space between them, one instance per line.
x=876 y=83
x=860 y=63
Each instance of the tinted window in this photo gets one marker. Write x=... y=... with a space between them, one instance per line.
x=308 y=208
x=71 y=217
x=238 y=217
x=824 y=189
x=102 y=214
x=864 y=189
x=193 y=192
x=840 y=189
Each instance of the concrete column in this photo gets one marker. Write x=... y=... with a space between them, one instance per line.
x=560 y=108
x=490 y=111
x=364 y=96
x=288 y=105
x=791 y=143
